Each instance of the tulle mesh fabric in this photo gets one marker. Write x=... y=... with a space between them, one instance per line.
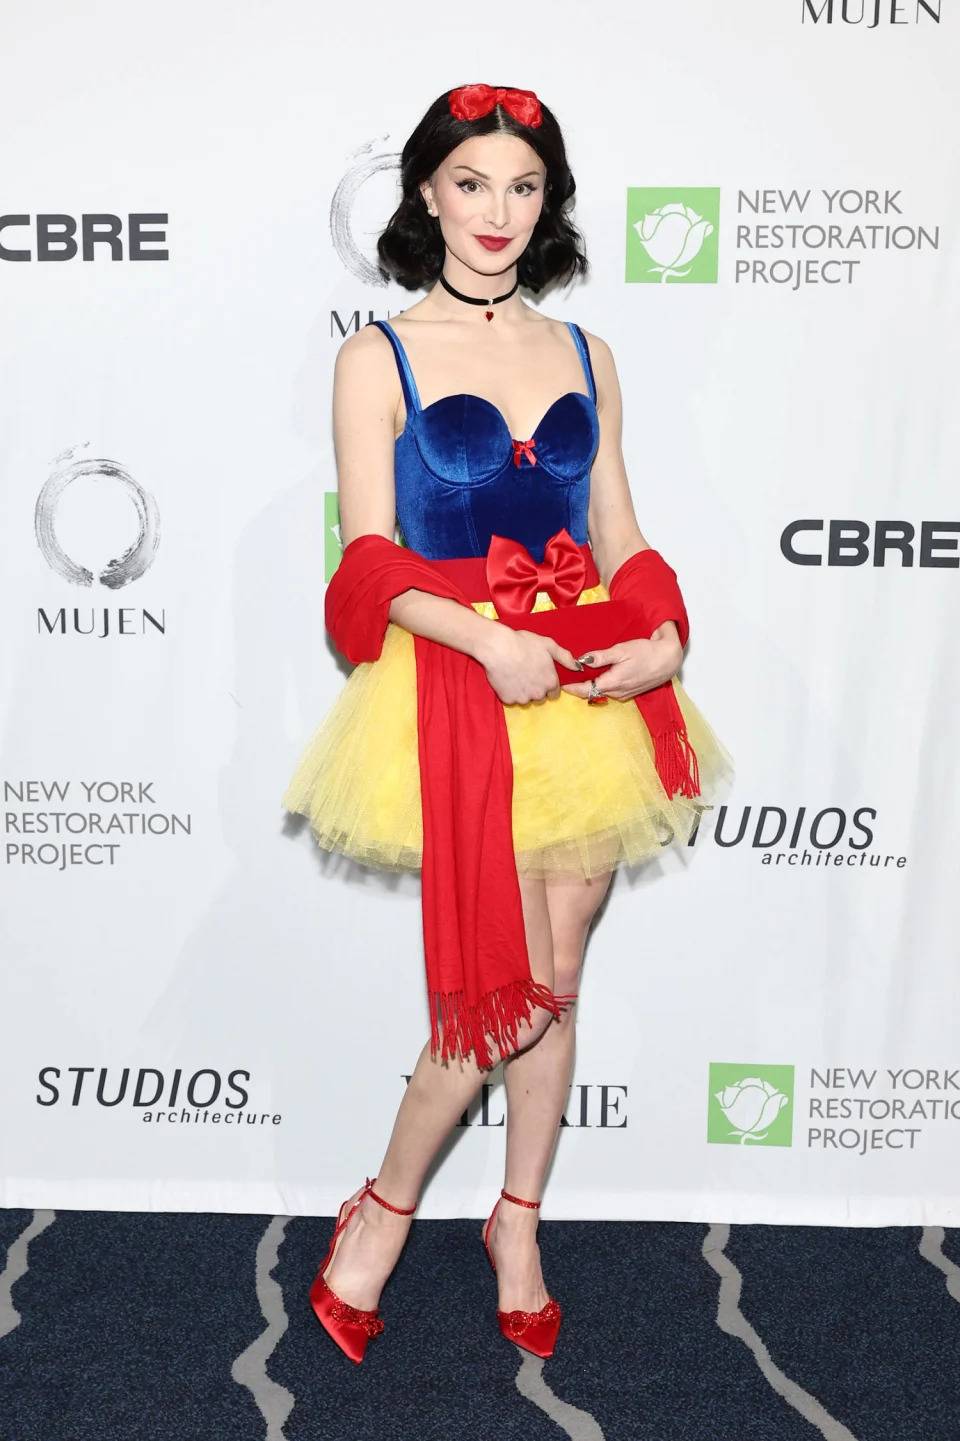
x=586 y=794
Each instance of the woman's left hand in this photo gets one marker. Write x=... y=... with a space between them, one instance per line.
x=635 y=665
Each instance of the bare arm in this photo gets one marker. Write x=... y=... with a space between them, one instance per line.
x=366 y=395
x=615 y=536
x=611 y=521
x=366 y=398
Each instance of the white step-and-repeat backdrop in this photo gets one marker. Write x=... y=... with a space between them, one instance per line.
x=769 y=1019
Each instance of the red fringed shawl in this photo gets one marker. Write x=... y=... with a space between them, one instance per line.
x=478 y=972
x=648 y=585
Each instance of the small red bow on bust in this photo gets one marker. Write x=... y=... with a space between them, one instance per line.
x=524 y=447
x=470 y=102
x=514 y=577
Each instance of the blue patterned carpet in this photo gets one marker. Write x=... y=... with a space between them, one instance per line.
x=117 y=1327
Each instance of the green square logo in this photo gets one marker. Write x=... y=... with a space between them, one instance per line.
x=672 y=235
x=750 y=1103
x=332 y=548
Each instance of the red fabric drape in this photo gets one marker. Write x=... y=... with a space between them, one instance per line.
x=478 y=971
x=649 y=586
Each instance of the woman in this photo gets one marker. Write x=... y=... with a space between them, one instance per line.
x=492 y=434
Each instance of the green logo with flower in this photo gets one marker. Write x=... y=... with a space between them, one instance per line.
x=672 y=235
x=332 y=545
x=750 y=1105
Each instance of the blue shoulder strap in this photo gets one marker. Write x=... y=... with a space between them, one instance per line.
x=411 y=397
x=581 y=345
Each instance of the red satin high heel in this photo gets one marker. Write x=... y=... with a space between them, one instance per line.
x=349 y=1327
x=535 y=1331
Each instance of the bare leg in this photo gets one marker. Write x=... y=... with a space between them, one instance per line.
x=537 y=1082
x=435 y=1098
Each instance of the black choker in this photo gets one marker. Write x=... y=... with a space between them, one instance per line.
x=472 y=299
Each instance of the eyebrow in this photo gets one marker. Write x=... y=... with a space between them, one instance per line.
x=487 y=177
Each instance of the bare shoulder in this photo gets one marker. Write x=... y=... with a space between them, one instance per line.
x=601 y=356
x=600 y=352
x=604 y=371
x=366 y=359
x=559 y=331
x=363 y=348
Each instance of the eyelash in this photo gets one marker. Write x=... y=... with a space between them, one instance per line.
x=531 y=188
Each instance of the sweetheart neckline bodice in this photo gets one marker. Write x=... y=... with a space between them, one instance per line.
x=413 y=415
x=460 y=477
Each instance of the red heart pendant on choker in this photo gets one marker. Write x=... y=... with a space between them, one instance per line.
x=472 y=299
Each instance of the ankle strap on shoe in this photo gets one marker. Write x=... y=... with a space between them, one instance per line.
x=397 y=1210
x=533 y=1205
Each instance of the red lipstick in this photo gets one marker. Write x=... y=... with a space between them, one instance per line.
x=494 y=242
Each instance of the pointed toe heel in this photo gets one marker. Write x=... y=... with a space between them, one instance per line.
x=535 y=1331
x=346 y=1325
x=349 y=1327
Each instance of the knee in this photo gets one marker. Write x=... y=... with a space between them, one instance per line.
x=566 y=967
x=572 y=913
x=566 y=975
x=569 y=942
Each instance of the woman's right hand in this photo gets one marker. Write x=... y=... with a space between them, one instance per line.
x=520 y=665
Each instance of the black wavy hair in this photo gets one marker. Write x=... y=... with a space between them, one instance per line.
x=411 y=248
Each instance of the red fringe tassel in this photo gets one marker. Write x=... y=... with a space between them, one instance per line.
x=676 y=763
x=458 y=1028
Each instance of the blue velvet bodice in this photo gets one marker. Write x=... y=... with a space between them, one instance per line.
x=456 y=480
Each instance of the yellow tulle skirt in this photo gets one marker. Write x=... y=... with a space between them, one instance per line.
x=586 y=794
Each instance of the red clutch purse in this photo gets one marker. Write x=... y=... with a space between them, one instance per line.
x=581 y=628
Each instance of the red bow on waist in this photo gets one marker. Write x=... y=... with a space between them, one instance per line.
x=515 y=577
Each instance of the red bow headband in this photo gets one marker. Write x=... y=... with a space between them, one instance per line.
x=470 y=102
